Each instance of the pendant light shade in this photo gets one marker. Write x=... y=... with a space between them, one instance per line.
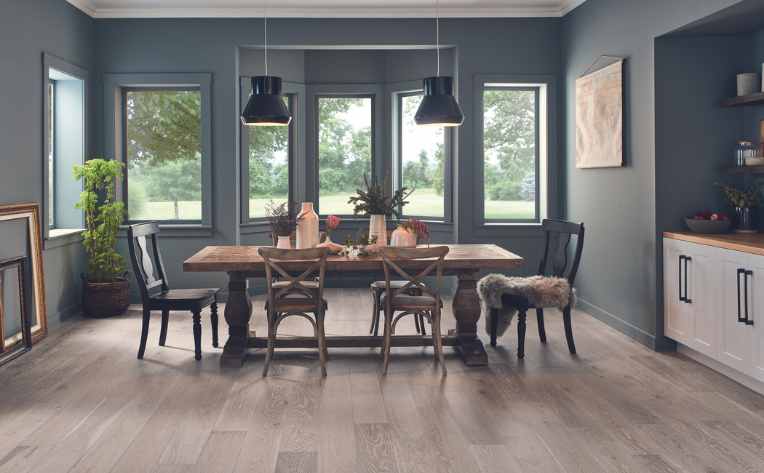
x=438 y=107
x=265 y=106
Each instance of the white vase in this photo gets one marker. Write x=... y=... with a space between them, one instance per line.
x=378 y=228
x=403 y=238
x=307 y=227
x=284 y=243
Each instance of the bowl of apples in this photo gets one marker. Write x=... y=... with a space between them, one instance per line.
x=709 y=222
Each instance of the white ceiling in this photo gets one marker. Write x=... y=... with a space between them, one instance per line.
x=323 y=8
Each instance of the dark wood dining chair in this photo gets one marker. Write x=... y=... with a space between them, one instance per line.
x=289 y=295
x=156 y=294
x=400 y=299
x=557 y=262
x=377 y=289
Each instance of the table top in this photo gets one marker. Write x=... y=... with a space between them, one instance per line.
x=246 y=259
x=752 y=243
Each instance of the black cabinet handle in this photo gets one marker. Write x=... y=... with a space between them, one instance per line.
x=748 y=320
x=681 y=260
x=740 y=318
x=686 y=297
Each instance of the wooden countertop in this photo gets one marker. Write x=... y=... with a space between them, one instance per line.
x=746 y=243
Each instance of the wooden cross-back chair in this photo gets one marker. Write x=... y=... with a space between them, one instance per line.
x=156 y=294
x=413 y=297
x=558 y=262
x=295 y=295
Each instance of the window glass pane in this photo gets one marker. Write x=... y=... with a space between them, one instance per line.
x=422 y=162
x=164 y=154
x=509 y=147
x=51 y=154
x=268 y=165
x=344 y=150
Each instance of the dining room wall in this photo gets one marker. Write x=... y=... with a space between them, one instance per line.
x=619 y=280
x=517 y=46
x=29 y=28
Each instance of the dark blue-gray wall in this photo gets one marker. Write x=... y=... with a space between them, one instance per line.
x=27 y=29
x=482 y=46
x=618 y=277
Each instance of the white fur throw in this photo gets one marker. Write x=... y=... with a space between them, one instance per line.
x=539 y=291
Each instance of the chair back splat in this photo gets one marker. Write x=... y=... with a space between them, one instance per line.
x=557 y=260
x=277 y=269
x=146 y=259
x=415 y=282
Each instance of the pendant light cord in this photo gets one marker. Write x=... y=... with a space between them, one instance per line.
x=437 y=33
x=265 y=21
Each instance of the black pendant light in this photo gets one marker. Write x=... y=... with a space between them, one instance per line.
x=439 y=107
x=265 y=106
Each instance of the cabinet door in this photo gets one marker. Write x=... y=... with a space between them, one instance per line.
x=677 y=323
x=756 y=314
x=736 y=337
x=704 y=300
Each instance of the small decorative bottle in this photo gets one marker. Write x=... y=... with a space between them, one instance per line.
x=307 y=227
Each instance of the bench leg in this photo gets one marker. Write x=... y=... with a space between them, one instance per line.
x=494 y=326
x=521 y=320
x=214 y=322
x=542 y=329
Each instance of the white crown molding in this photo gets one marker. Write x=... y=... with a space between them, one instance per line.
x=327 y=12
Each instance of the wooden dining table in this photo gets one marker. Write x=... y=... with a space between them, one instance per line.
x=464 y=261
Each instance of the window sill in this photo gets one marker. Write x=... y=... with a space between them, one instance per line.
x=58 y=237
x=177 y=230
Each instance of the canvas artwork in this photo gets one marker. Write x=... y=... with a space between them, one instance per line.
x=599 y=118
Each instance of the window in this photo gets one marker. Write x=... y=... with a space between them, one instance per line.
x=163 y=151
x=514 y=153
x=269 y=162
x=64 y=102
x=421 y=163
x=345 y=142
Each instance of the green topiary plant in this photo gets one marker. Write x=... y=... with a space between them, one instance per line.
x=103 y=216
x=374 y=200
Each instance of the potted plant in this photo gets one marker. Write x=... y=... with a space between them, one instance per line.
x=281 y=222
x=105 y=286
x=744 y=202
x=408 y=232
x=375 y=202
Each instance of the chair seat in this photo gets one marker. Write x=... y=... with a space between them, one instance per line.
x=297 y=304
x=186 y=295
x=407 y=302
x=305 y=284
x=393 y=285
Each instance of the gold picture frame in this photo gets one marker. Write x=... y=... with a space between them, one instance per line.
x=31 y=213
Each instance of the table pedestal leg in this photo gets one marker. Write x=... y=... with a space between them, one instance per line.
x=466 y=307
x=238 y=310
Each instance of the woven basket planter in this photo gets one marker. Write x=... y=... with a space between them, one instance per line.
x=105 y=299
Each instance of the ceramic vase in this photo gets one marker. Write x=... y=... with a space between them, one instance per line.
x=403 y=238
x=378 y=228
x=284 y=243
x=307 y=227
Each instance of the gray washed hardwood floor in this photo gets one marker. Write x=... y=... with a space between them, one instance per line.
x=81 y=402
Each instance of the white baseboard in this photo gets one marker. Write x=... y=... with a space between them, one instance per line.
x=734 y=375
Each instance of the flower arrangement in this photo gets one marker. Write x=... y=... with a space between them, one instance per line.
x=332 y=222
x=417 y=226
x=374 y=200
x=280 y=218
x=745 y=199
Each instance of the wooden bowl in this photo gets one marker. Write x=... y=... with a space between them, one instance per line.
x=708 y=226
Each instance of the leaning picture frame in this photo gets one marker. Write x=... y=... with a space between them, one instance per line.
x=34 y=282
x=15 y=330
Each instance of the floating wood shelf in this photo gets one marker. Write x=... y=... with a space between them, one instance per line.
x=752 y=99
x=746 y=170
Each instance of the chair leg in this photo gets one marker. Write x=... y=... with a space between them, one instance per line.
x=271 y=343
x=569 y=330
x=374 y=312
x=416 y=323
x=540 y=321
x=214 y=323
x=521 y=317
x=197 y=335
x=321 y=341
x=163 y=328
x=438 y=340
x=144 y=332
x=387 y=341
x=494 y=326
x=422 y=325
